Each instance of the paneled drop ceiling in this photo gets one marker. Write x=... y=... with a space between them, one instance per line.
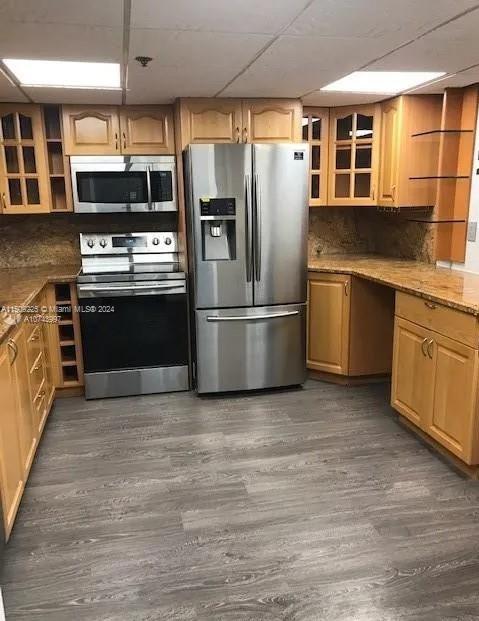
x=250 y=48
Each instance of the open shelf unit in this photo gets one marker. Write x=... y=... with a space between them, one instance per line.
x=450 y=151
x=57 y=162
x=70 y=369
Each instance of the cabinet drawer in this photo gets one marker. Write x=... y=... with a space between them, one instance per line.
x=37 y=375
x=34 y=345
x=455 y=324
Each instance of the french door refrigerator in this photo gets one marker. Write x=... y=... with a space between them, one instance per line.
x=247 y=208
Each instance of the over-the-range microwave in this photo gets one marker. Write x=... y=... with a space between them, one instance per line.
x=120 y=183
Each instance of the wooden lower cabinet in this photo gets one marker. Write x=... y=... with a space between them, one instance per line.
x=11 y=466
x=435 y=386
x=412 y=375
x=350 y=325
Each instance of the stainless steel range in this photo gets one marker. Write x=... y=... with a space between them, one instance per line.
x=133 y=314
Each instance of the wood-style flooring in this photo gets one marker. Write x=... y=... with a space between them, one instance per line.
x=300 y=505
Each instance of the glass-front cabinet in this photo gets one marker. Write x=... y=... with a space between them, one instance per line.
x=23 y=176
x=315 y=132
x=354 y=155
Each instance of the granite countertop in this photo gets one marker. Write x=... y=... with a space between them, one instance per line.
x=19 y=286
x=450 y=287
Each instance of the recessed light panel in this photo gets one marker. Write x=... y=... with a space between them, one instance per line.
x=65 y=74
x=382 y=82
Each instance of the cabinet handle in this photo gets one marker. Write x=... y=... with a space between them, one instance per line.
x=124 y=140
x=34 y=337
x=245 y=134
x=346 y=287
x=237 y=134
x=393 y=192
x=429 y=348
x=424 y=341
x=374 y=193
x=13 y=346
x=430 y=305
x=116 y=141
x=4 y=200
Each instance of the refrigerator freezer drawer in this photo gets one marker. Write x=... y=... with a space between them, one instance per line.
x=249 y=348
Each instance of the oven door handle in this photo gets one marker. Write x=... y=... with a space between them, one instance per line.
x=110 y=291
x=215 y=318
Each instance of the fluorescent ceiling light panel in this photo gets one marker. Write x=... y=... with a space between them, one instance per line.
x=65 y=74
x=383 y=82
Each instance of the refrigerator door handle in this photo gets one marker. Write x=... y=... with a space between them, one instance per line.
x=248 y=249
x=215 y=318
x=257 y=227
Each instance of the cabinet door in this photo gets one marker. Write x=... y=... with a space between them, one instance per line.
x=147 y=130
x=23 y=173
x=354 y=155
x=412 y=374
x=390 y=144
x=27 y=429
x=315 y=131
x=328 y=323
x=272 y=120
x=206 y=121
x=452 y=417
x=91 y=130
x=10 y=456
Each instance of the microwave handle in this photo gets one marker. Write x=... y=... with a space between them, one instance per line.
x=148 y=185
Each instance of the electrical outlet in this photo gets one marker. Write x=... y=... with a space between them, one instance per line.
x=471 y=231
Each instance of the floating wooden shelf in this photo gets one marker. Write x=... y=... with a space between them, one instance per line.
x=442 y=177
x=443 y=131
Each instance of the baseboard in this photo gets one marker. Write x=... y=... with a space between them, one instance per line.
x=69 y=391
x=348 y=380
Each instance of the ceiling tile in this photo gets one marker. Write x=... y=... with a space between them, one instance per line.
x=329 y=99
x=450 y=48
x=398 y=21
x=186 y=62
x=73 y=95
x=247 y=16
x=66 y=42
x=293 y=66
x=465 y=78
x=8 y=92
x=88 y=12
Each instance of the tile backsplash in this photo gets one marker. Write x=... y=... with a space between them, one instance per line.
x=53 y=239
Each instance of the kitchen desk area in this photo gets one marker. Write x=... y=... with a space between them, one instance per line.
x=371 y=315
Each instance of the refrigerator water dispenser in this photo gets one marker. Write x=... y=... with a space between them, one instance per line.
x=218 y=229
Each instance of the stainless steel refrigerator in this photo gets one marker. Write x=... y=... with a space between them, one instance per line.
x=247 y=208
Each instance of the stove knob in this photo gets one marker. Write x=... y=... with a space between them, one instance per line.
x=167 y=241
x=102 y=243
x=91 y=243
x=155 y=241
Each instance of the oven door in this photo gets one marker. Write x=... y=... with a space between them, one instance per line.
x=122 y=184
x=135 y=341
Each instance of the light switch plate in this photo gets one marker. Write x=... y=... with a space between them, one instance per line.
x=471 y=231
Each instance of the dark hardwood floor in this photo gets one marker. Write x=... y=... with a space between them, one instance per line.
x=302 y=505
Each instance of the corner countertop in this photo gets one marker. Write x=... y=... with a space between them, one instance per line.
x=19 y=286
x=452 y=288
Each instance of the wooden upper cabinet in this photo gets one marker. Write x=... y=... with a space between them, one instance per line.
x=147 y=130
x=328 y=323
x=409 y=151
x=210 y=120
x=91 y=130
x=272 y=120
x=391 y=117
x=354 y=155
x=23 y=173
x=315 y=131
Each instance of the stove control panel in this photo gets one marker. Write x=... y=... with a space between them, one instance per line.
x=127 y=243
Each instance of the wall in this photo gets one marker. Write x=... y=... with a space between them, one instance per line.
x=349 y=230
x=52 y=239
